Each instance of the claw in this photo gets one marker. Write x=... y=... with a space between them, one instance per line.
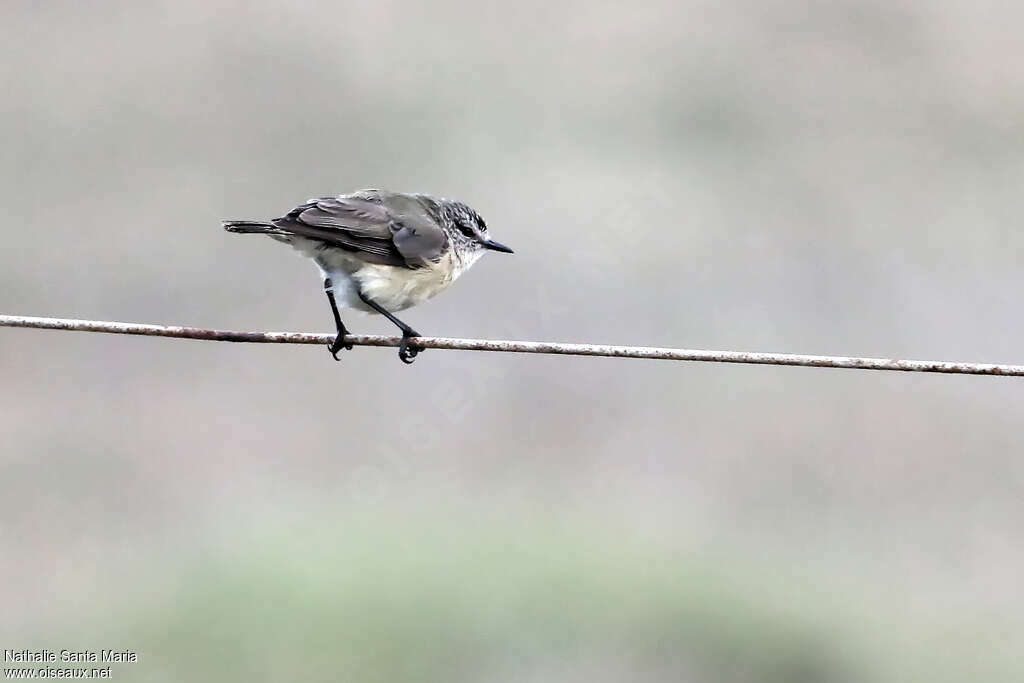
x=405 y=354
x=338 y=344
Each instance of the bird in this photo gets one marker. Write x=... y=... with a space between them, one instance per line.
x=380 y=251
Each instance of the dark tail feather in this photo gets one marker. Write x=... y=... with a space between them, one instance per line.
x=252 y=227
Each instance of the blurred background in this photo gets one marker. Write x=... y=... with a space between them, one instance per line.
x=813 y=177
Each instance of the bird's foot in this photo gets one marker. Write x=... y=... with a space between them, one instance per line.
x=338 y=344
x=406 y=352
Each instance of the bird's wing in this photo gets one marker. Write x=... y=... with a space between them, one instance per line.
x=390 y=230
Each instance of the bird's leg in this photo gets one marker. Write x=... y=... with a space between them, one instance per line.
x=339 y=341
x=405 y=353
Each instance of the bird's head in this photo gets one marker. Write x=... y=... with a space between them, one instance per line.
x=469 y=229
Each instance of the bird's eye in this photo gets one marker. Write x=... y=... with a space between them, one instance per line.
x=465 y=229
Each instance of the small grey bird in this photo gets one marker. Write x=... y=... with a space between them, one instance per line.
x=381 y=252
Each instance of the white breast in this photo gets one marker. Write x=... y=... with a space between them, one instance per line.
x=394 y=288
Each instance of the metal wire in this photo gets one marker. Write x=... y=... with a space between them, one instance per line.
x=507 y=346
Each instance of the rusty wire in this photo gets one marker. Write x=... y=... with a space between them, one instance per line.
x=699 y=355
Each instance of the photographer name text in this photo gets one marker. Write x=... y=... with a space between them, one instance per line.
x=48 y=656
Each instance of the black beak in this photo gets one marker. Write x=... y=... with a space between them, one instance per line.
x=496 y=246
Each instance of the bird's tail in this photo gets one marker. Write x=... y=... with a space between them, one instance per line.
x=256 y=227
